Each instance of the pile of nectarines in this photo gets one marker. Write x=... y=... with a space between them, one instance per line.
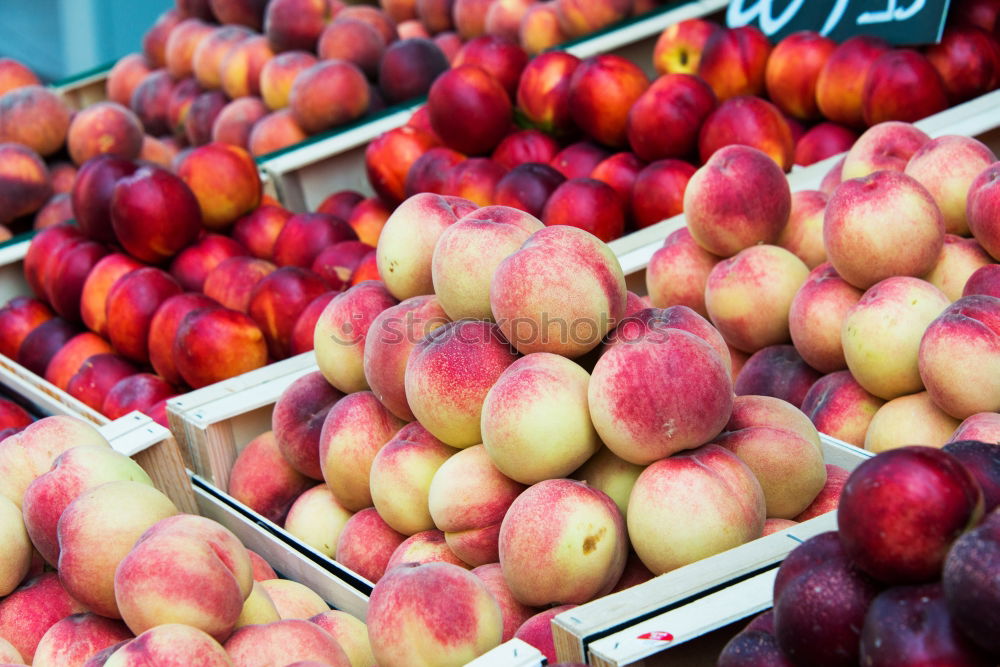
x=909 y=577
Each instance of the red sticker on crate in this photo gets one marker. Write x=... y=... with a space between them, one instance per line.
x=661 y=636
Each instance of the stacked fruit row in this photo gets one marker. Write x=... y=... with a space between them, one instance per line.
x=151 y=248
x=84 y=581
x=912 y=582
x=642 y=140
x=860 y=279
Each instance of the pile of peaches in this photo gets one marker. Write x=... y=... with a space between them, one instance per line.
x=84 y=580
x=598 y=145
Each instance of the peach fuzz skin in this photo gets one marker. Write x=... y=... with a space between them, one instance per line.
x=401 y=475
x=282 y=641
x=404 y=613
x=367 y=543
x=677 y=273
x=816 y=315
x=562 y=541
x=468 y=498
x=264 y=481
x=28 y=612
x=448 y=375
x=840 y=407
x=909 y=420
x=693 y=505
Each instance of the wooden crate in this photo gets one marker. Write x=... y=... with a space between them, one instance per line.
x=576 y=631
x=84 y=89
x=304 y=174
x=215 y=431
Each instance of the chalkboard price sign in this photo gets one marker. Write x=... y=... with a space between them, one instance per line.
x=902 y=22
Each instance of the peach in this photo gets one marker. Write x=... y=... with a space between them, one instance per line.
x=13 y=416
x=350 y=633
x=582 y=553
x=297 y=24
x=235 y=122
x=984 y=427
x=748 y=121
x=502 y=58
x=902 y=85
x=579 y=160
x=529 y=397
x=224 y=180
x=289 y=639
x=293 y=600
x=305 y=324
x=274 y=132
x=373 y=16
x=339 y=338
x=886 y=146
x=467 y=254
x=632 y=434
x=317 y=519
x=390 y=337
x=182 y=97
x=328 y=94
x=579 y=17
x=829 y=497
x=68 y=360
x=822 y=141
x=543 y=92
x=960 y=259
x=154 y=41
x=577 y=313
x=141 y=392
x=35 y=117
x=201 y=116
x=151 y=101
x=468 y=17
x=907 y=240
x=353 y=432
x=965 y=58
x=68 y=274
x=163 y=330
x=240 y=66
x=28 y=612
x=946 y=167
x=778 y=371
x=468 y=498
x=469 y=109
x=278 y=74
x=793 y=69
x=907 y=420
x=97 y=530
x=803 y=235
x=723 y=507
x=337 y=262
x=415 y=595
x=503 y=18
x=366 y=543
x=737 y=173
x=982 y=206
x=258 y=608
x=63 y=175
x=448 y=374
x=537 y=631
x=209 y=578
x=104 y=128
x=985 y=280
x=242 y=12
x=678 y=49
x=733 y=62
x=298 y=421
x=611 y=474
x=264 y=481
x=182 y=43
x=957 y=353
x=24 y=182
x=31 y=453
x=474 y=179
x=71 y=641
x=17 y=552
x=654 y=320
x=772 y=526
x=841 y=82
x=540 y=29
x=816 y=315
x=409 y=68
x=170 y=642
x=92 y=194
x=258 y=231
x=131 y=304
x=664 y=121
x=428 y=546
x=14 y=74
x=406 y=245
x=355 y=41
x=58 y=209
x=678 y=272
x=781 y=448
x=881 y=334
x=620 y=172
x=277 y=301
x=513 y=612
x=749 y=296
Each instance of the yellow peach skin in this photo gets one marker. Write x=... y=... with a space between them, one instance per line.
x=909 y=420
